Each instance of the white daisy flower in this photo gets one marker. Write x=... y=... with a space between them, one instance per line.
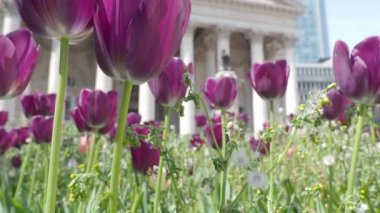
x=256 y=179
x=329 y=160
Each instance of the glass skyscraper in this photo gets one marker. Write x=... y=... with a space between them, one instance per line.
x=312 y=44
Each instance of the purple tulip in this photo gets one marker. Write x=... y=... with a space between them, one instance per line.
x=337 y=105
x=112 y=133
x=6 y=140
x=197 y=141
x=221 y=91
x=133 y=118
x=95 y=110
x=23 y=133
x=200 y=120
x=16 y=162
x=145 y=157
x=216 y=118
x=357 y=75
x=3 y=118
x=218 y=134
x=170 y=87
x=136 y=39
x=259 y=146
x=19 y=54
x=153 y=123
x=14 y=138
x=38 y=104
x=42 y=129
x=79 y=121
x=270 y=79
x=57 y=19
x=244 y=117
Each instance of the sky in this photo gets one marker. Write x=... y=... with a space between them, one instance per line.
x=352 y=20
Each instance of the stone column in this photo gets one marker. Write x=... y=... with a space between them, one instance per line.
x=222 y=45
x=187 y=123
x=292 y=94
x=53 y=66
x=11 y=22
x=223 y=49
x=260 y=106
x=102 y=81
x=147 y=103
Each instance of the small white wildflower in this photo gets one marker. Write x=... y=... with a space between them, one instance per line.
x=362 y=208
x=256 y=155
x=256 y=179
x=378 y=146
x=280 y=110
x=72 y=163
x=230 y=125
x=208 y=189
x=172 y=127
x=240 y=158
x=12 y=173
x=329 y=160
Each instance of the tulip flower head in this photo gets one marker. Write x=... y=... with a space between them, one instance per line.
x=16 y=162
x=135 y=40
x=3 y=118
x=196 y=141
x=14 y=138
x=218 y=134
x=19 y=54
x=357 y=74
x=96 y=110
x=200 y=120
x=169 y=88
x=221 y=91
x=259 y=146
x=56 y=19
x=270 y=79
x=133 y=118
x=42 y=129
x=145 y=157
x=337 y=105
x=38 y=104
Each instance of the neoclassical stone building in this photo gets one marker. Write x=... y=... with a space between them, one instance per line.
x=247 y=31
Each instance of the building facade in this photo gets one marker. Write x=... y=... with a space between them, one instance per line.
x=313 y=77
x=313 y=43
x=248 y=31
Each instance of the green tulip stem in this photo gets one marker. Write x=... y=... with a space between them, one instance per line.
x=161 y=166
x=354 y=159
x=271 y=161
x=372 y=126
x=51 y=192
x=118 y=146
x=34 y=173
x=93 y=153
x=211 y=126
x=22 y=171
x=331 y=171
x=223 y=175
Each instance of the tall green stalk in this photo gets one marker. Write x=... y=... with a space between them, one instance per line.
x=22 y=171
x=271 y=162
x=93 y=153
x=223 y=175
x=354 y=160
x=118 y=146
x=51 y=192
x=161 y=166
